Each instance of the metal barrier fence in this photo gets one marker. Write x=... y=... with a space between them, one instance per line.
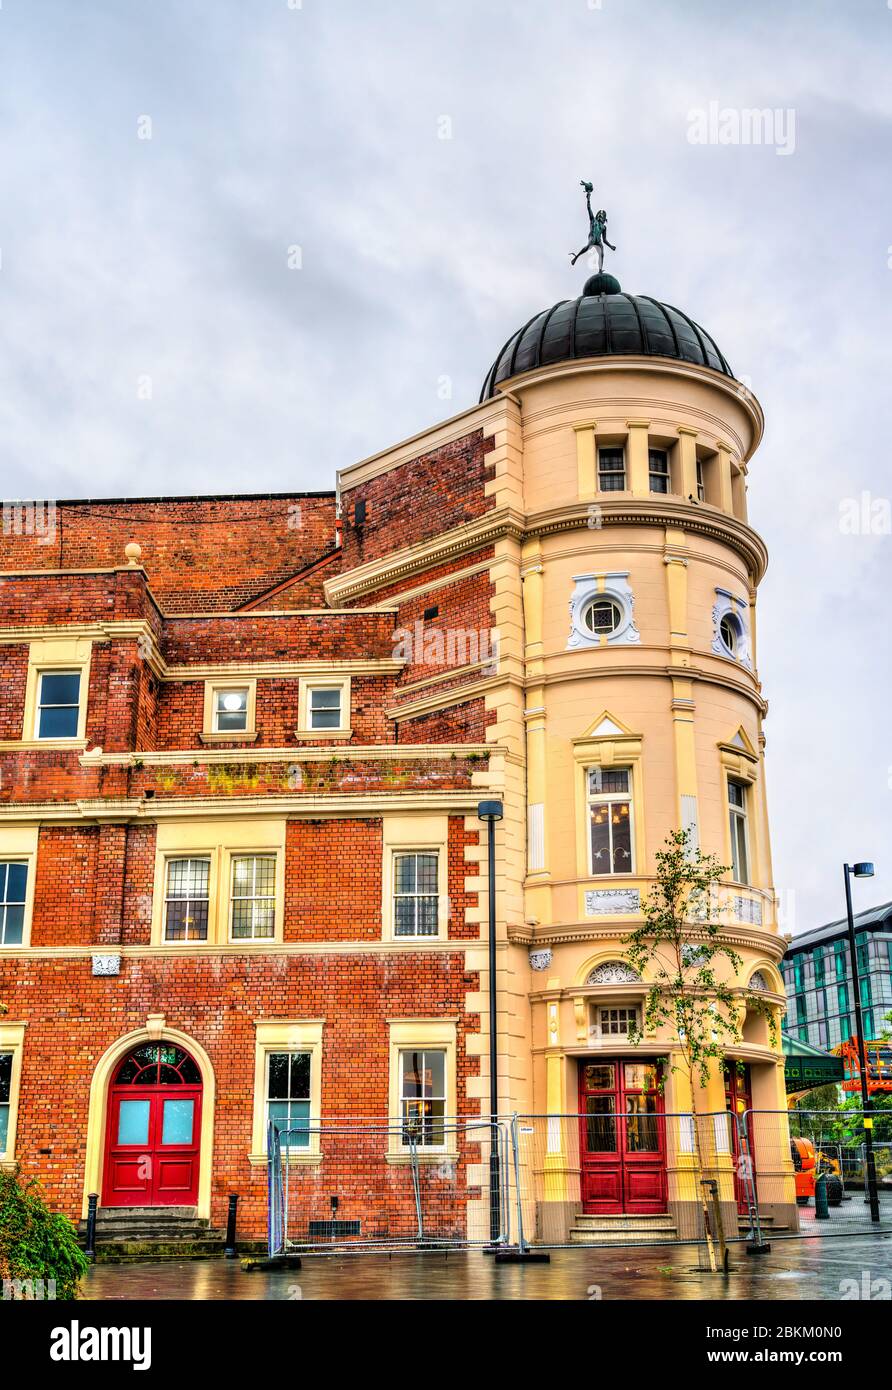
x=834 y=1152
x=597 y=1179
x=387 y=1185
x=628 y=1178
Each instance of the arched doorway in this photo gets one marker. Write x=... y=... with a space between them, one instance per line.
x=153 y=1129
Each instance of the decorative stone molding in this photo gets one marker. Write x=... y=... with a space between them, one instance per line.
x=613 y=972
x=603 y=902
x=588 y=588
x=758 y=983
x=540 y=960
x=727 y=605
x=107 y=965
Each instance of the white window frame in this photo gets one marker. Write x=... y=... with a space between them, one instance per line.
x=612 y=472
x=286 y=1035
x=309 y=684
x=12 y=1040
x=18 y=845
x=658 y=472
x=413 y=834
x=404 y=1114
x=77 y=705
x=603 y=1006
x=738 y=822
x=220 y=842
x=170 y=860
x=210 y=732
x=421 y=1035
x=608 y=799
x=290 y=1052
x=410 y=852
x=264 y=897
x=7 y=861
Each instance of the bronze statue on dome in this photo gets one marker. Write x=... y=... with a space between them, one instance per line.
x=597 y=236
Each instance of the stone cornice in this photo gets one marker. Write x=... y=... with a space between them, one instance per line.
x=568 y=933
x=316 y=805
x=388 y=569
x=700 y=519
x=477 y=417
x=306 y=753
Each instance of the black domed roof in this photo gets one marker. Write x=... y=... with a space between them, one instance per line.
x=604 y=322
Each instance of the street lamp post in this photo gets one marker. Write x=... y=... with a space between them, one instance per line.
x=490 y=812
x=850 y=871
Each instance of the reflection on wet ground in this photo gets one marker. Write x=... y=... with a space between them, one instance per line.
x=794 y=1269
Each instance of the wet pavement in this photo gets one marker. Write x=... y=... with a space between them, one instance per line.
x=817 y=1268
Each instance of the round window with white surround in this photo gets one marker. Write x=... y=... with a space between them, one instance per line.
x=602 y=617
x=601 y=611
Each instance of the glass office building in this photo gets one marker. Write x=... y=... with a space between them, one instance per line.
x=818 y=980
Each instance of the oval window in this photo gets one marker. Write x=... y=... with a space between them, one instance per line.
x=729 y=632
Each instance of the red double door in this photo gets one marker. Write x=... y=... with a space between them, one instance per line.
x=153 y=1130
x=622 y=1140
x=739 y=1100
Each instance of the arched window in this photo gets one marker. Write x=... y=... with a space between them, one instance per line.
x=613 y=972
x=158 y=1064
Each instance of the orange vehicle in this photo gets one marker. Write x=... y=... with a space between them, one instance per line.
x=810 y=1164
x=802 y=1152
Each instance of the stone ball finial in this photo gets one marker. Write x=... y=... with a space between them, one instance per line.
x=133 y=551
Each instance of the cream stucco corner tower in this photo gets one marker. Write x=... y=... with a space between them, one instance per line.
x=626 y=466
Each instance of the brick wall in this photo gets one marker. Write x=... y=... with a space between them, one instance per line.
x=200 y=553
x=420 y=499
x=73 y=1017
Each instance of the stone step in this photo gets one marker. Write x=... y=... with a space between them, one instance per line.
x=588 y=1235
x=624 y=1221
x=167 y=1251
x=115 y=1213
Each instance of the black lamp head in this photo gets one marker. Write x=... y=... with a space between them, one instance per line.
x=863 y=870
x=490 y=810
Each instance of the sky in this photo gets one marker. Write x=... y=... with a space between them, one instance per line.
x=248 y=242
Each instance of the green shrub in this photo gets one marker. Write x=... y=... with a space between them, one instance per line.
x=35 y=1242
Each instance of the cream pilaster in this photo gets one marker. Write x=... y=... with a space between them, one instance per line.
x=639 y=476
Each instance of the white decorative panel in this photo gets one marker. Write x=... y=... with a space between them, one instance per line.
x=603 y=902
x=536 y=836
x=107 y=965
x=689 y=823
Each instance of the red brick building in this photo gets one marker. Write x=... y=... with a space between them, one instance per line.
x=242 y=745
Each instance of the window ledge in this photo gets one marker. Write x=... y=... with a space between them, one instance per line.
x=424 y=1156
x=245 y=736
x=294 y=1160
x=315 y=735
x=54 y=743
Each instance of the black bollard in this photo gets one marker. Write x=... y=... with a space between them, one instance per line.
x=230 y=1251
x=92 y=1204
x=822 y=1210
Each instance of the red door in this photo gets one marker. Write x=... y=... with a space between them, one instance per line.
x=622 y=1137
x=153 y=1130
x=738 y=1100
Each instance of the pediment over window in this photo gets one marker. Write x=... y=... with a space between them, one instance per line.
x=613 y=972
x=606 y=725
